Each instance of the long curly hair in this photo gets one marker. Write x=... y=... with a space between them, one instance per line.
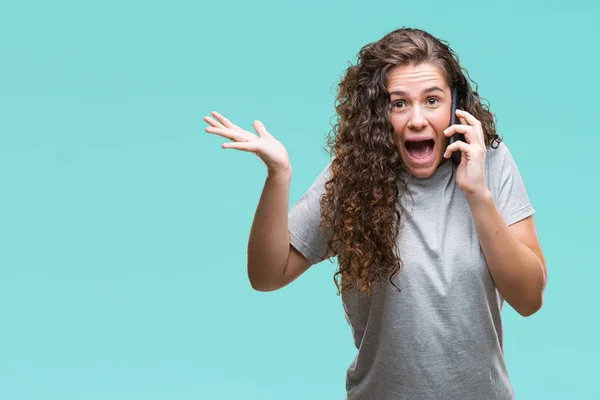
x=368 y=177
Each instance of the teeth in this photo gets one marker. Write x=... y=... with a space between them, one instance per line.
x=419 y=140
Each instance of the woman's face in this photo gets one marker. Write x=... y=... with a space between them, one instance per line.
x=420 y=111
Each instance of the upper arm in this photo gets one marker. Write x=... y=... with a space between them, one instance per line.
x=524 y=230
x=296 y=265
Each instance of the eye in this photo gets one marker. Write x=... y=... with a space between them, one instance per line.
x=434 y=102
x=398 y=104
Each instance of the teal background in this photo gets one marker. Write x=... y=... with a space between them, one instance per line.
x=123 y=226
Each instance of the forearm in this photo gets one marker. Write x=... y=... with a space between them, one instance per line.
x=268 y=244
x=516 y=270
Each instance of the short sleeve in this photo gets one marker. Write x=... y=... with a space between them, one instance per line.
x=304 y=220
x=506 y=185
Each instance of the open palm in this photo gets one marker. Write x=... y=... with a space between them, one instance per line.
x=272 y=153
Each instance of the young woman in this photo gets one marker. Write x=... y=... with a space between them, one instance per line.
x=428 y=249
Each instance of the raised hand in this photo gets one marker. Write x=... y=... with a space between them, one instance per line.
x=471 y=171
x=272 y=153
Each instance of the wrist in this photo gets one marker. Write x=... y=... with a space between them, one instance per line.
x=280 y=173
x=479 y=198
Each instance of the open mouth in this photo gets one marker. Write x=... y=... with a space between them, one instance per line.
x=420 y=149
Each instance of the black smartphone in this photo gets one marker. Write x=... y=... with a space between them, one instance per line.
x=454 y=120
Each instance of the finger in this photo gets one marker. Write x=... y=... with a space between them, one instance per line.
x=260 y=129
x=225 y=121
x=214 y=123
x=456 y=146
x=478 y=130
x=464 y=129
x=471 y=120
x=228 y=133
x=243 y=146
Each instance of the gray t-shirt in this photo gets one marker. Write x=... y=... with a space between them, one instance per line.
x=441 y=336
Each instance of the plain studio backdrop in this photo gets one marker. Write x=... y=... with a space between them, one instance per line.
x=123 y=226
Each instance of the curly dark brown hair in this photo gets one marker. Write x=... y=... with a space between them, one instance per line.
x=359 y=206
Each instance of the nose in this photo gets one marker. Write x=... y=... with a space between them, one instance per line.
x=416 y=120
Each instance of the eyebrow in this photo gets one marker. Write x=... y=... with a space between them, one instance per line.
x=428 y=90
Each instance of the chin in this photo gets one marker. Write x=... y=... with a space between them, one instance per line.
x=422 y=168
x=422 y=172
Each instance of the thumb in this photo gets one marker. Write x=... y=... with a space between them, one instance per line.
x=260 y=129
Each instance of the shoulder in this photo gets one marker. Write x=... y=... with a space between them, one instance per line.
x=317 y=185
x=497 y=153
x=499 y=158
x=322 y=177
